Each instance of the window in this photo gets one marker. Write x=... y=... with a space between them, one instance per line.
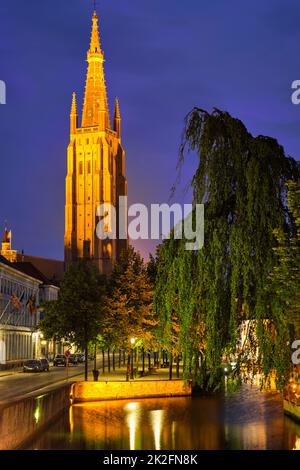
x=80 y=168
x=89 y=167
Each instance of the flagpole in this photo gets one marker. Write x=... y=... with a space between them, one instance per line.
x=5 y=309
x=11 y=313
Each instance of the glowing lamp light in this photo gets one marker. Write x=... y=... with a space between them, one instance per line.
x=132 y=341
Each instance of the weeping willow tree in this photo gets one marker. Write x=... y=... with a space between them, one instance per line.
x=283 y=291
x=242 y=182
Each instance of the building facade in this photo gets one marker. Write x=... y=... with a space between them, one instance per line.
x=17 y=324
x=47 y=293
x=20 y=338
x=95 y=169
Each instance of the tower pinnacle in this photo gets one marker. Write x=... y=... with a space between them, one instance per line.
x=95 y=107
x=95 y=40
x=117 y=119
x=73 y=115
x=6 y=236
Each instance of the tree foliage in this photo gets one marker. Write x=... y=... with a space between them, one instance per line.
x=283 y=292
x=241 y=179
x=77 y=316
x=128 y=305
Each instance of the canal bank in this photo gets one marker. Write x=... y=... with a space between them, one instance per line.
x=24 y=418
x=120 y=390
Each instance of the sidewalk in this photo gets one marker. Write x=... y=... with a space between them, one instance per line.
x=17 y=370
x=119 y=375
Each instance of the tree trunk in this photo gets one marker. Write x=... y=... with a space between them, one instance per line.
x=108 y=358
x=119 y=358
x=124 y=357
x=143 y=360
x=54 y=348
x=137 y=359
x=103 y=361
x=95 y=358
x=171 y=367
x=131 y=364
x=149 y=361
x=114 y=361
x=128 y=367
x=177 y=367
x=86 y=362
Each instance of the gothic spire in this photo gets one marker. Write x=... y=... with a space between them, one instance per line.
x=95 y=107
x=6 y=236
x=73 y=115
x=117 y=119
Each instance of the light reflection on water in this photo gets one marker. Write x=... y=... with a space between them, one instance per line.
x=250 y=419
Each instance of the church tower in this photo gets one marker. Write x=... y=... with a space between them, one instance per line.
x=95 y=168
x=6 y=246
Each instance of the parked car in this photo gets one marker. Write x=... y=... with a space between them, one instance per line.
x=33 y=365
x=80 y=357
x=60 y=360
x=73 y=359
x=45 y=364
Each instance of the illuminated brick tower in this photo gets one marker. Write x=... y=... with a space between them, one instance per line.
x=6 y=247
x=95 y=167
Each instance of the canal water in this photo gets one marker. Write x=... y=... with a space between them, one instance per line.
x=249 y=419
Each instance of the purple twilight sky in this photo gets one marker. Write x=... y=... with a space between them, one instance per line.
x=162 y=58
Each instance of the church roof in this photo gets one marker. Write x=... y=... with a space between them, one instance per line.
x=5 y=261
x=29 y=269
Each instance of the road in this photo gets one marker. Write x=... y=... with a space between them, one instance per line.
x=20 y=383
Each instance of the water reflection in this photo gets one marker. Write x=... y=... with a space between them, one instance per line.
x=249 y=419
x=157 y=419
x=132 y=419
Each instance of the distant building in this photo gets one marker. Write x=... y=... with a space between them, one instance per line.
x=95 y=168
x=17 y=324
x=22 y=289
x=6 y=246
x=51 y=269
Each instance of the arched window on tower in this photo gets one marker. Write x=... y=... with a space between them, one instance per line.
x=80 y=168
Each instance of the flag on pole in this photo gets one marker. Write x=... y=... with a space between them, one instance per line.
x=16 y=302
x=31 y=304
